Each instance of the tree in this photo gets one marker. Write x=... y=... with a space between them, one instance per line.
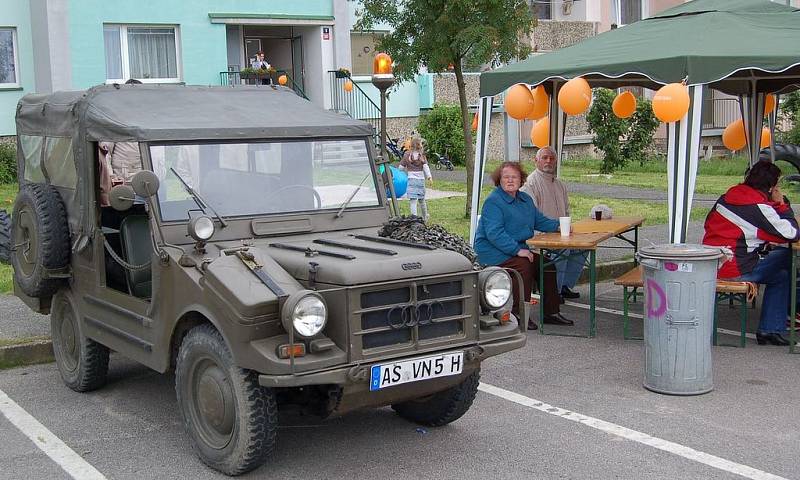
x=443 y=34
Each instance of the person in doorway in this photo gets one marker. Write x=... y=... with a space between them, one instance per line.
x=261 y=64
x=416 y=164
x=550 y=197
x=508 y=219
x=755 y=222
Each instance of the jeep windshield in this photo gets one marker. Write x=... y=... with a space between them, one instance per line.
x=256 y=178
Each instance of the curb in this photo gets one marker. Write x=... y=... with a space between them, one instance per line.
x=38 y=351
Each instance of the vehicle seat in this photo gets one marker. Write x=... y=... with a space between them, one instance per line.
x=134 y=232
x=216 y=189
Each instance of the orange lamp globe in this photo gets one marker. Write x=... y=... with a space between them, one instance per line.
x=540 y=133
x=475 y=121
x=575 y=96
x=519 y=101
x=382 y=65
x=769 y=104
x=733 y=137
x=283 y=79
x=347 y=86
x=766 y=137
x=624 y=105
x=671 y=102
x=541 y=103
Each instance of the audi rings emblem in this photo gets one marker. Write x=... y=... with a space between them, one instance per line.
x=412 y=315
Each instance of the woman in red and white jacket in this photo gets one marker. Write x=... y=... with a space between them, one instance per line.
x=754 y=220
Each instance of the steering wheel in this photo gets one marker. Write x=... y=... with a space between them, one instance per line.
x=317 y=198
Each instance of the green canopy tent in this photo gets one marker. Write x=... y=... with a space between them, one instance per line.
x=742 y=47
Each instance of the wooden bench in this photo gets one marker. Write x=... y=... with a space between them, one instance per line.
x=733 y=292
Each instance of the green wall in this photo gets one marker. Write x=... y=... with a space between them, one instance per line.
x=202 y=47
x=16 y=13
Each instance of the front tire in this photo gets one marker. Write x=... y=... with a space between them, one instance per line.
x=82 y=362
x=444 y=407
x=231 y=419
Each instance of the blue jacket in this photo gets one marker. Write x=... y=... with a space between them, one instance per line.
x=506 y=223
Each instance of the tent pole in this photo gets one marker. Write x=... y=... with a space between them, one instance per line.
x=683 y=151
x=773 y=119
x=481 y=146
x=558 y=119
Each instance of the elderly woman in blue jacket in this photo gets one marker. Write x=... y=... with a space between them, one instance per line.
x=509 y=218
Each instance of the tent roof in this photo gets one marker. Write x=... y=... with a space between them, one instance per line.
x=178 y=112
x=717 y=42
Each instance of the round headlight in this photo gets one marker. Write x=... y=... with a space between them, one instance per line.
x=201 y=228
x=306 y=313
x=497 y=289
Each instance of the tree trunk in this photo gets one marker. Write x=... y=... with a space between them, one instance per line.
x=467 y=126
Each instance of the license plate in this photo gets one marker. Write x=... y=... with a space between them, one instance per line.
x=416 y=369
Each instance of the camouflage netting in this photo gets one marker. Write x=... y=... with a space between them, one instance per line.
x=413 y=229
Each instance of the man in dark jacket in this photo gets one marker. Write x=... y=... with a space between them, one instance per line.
x=754 y=220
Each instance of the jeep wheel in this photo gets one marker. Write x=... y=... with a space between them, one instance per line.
x=82 y=362
x=231 y=419
x=5 y=237
x=443 y=407
x=40 y=237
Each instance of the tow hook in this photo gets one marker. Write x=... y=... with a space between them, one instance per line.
x=474 y=353
x=358 y=373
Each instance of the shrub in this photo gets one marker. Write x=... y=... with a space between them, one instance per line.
x=620 y=139
x=443 y=132
x=8 y=162
x=791 y=108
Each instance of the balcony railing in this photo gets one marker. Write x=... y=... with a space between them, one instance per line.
x=234 y=78
x=719 y=112
x=355 y=103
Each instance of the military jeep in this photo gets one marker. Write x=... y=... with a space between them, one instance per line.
x=244 y=255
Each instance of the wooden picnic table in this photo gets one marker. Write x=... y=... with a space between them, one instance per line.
x=587 y=235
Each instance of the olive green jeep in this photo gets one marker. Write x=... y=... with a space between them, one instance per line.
x=239 y=247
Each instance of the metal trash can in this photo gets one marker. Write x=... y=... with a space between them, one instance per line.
x=680 y=282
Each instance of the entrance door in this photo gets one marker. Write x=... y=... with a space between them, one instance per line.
x=251 y=47
x=297 y=61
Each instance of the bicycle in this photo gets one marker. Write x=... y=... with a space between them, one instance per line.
x=443 y=161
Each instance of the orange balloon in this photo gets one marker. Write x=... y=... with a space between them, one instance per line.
x=348 y=86
x=766 y=137
x=475 y=121
x=575 y=96
x=540 y=133
x=769 y=104
x=671 y=102
x=733 y=137
x=519 y=101
x=624 y=105
x=283 y=79
x=541 y=104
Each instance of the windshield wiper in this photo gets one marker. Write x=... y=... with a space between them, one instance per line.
x=350 y=198
x=198 y=199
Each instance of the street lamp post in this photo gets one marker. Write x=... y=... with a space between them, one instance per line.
x=383 y=78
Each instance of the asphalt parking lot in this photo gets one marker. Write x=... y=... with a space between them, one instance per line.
x=559 y=408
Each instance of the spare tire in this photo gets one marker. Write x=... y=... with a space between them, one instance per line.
x=5 y=237
x=40 y=235
x=786 y=152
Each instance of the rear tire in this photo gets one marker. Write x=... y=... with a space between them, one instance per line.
x=5 y=237
x=444 y=407
x=231 y=419
x=82 y=362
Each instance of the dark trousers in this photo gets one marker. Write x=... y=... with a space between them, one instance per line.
x=530 y=273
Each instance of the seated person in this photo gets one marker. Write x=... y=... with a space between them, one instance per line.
x=755 y=222
x=508 y=219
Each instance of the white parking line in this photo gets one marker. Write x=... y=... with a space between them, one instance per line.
x=627 y=433
x=52 y=446
x=751 y=336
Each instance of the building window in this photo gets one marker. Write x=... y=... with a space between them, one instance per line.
x=146 y=53
x=624 y=12
x=363 y=51
x=542 y=9
x=8 y=57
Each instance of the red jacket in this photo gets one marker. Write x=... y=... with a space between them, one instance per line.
x=745 y=220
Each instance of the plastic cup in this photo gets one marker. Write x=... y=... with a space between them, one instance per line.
x=563 y=223
x=598 y=215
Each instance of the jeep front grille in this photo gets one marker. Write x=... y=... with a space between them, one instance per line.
x=412 y=314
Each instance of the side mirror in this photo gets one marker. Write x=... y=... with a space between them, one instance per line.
x=121 y=197
x=145 y=183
